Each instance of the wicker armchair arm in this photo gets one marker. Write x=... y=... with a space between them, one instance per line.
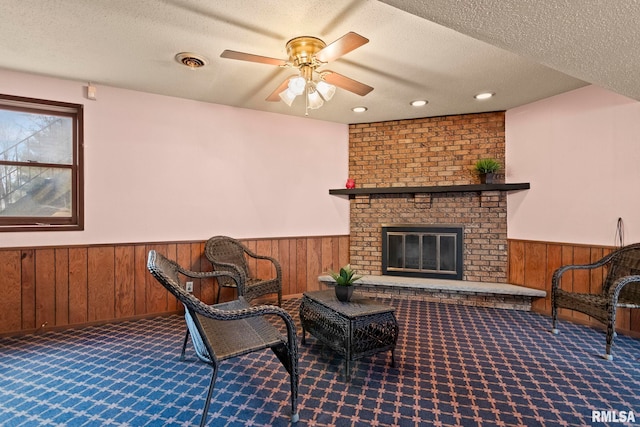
x=616 y=288
x=207 y=274
x=274 y=261
x=240 y=309
x=557 y=275
x=172 y=265
x=241 y=274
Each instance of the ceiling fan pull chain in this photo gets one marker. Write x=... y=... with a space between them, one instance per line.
x=306 y=100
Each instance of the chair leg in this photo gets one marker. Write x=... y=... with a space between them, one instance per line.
x=184 y=344
x=611 y=332
x=205 y=411
x=610 y=337
x=554 y=319
x=287 y=357
x=293 y=375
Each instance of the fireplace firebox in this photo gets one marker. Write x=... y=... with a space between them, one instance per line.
x=431 y=251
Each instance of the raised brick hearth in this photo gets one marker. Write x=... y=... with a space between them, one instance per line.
x=481 y=294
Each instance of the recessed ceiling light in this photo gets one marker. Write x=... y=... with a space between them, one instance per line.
x=419 y=103
x=484 y=95
x=359 y=109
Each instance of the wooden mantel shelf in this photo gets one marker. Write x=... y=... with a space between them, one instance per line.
x=432 y=189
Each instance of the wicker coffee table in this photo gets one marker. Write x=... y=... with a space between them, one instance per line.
x=355 y=329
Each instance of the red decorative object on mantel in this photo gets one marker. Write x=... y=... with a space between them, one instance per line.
x=351 y=183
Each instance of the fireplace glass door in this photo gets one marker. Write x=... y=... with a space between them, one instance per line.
x=423 y=251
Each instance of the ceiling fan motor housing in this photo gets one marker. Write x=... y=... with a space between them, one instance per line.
x=302 y=50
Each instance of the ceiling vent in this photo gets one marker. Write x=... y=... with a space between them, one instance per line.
x=191 y=60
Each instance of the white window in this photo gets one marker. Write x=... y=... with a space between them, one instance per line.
x=41 y=176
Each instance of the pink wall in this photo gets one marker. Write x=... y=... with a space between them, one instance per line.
x=166 y=169
x=581 y=153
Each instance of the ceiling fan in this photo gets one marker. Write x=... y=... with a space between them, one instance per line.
x=307 y=54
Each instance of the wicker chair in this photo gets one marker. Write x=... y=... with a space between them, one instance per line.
x=620 y=289
x=227 y=254
x=224 y=331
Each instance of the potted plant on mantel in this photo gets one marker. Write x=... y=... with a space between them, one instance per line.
x=344 y=282
x=486 y=169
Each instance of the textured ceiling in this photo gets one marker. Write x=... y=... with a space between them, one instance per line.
x=514 y=48
x=596 y=41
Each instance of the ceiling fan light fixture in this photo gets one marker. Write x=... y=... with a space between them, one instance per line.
x=307 y=54
x=314 y=99
x=297 y=85
x=287 y=96
x=326 y=90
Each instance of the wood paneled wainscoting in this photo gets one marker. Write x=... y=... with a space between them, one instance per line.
x=59 y=287
x=532 y=264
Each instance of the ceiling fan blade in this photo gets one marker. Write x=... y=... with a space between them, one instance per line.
x=232 y=54
x=342 y=46
x=346 y=83
x=275 y=95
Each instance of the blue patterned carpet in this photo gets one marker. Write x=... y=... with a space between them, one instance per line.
x=455 y=365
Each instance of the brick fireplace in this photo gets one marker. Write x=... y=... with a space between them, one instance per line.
x=437 y=151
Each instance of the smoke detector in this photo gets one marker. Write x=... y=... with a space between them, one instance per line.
x=191 y=60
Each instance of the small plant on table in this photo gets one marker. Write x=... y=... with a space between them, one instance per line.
x=344 y=282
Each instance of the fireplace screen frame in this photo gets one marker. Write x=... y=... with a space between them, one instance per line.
x=422 y=230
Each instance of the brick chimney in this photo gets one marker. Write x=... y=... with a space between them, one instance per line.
x=434 y=151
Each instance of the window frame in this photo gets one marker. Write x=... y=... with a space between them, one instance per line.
x=75 y=221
